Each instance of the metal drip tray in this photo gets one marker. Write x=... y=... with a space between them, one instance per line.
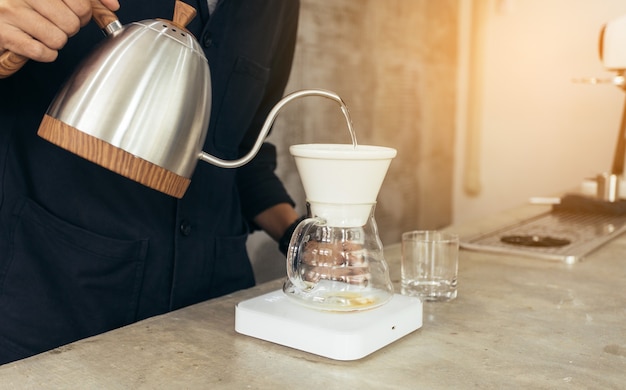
x=556 y=235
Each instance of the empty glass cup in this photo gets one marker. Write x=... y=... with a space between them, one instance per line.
x=430 y=265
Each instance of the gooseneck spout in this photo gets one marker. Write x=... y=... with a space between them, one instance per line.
x=268 y=125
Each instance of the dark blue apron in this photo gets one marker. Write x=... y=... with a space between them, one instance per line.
x=84 y=250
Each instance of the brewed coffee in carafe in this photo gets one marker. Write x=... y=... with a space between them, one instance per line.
x=335 y=259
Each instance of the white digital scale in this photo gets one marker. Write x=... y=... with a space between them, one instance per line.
x=337 y=335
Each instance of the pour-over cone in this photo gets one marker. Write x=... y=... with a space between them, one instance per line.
x=342 y=181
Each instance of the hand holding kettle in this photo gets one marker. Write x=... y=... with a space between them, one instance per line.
x=37 y=30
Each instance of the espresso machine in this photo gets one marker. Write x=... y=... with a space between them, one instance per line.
x=577 y=224
x=612 y=50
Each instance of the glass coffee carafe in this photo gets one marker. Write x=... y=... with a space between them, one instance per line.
x=335 y=259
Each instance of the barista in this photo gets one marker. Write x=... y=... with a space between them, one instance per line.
x=84 y=250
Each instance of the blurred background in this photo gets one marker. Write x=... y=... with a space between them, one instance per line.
x=477 y=96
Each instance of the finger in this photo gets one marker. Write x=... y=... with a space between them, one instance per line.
x=23 y=44
x=40 y=29
x=67 y=15
x=113 y=5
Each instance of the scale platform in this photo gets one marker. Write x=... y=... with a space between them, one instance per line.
x=337 y=335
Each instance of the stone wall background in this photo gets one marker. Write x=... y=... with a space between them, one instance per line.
x=394 y=64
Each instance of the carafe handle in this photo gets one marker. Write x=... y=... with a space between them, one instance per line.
x=299 y=239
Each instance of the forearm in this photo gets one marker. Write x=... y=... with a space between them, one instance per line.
x=277 y=219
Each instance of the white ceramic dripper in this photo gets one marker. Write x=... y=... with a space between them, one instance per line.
x=342 y=181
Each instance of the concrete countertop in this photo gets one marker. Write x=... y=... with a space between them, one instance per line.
x=517 y=323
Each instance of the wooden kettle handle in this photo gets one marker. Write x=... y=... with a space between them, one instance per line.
x=102 y=15
x=10 y=63
x=183 y=13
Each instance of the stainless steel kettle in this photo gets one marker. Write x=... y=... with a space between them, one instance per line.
x=139 y=104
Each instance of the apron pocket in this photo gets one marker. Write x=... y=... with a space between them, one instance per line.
x=61 y=283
